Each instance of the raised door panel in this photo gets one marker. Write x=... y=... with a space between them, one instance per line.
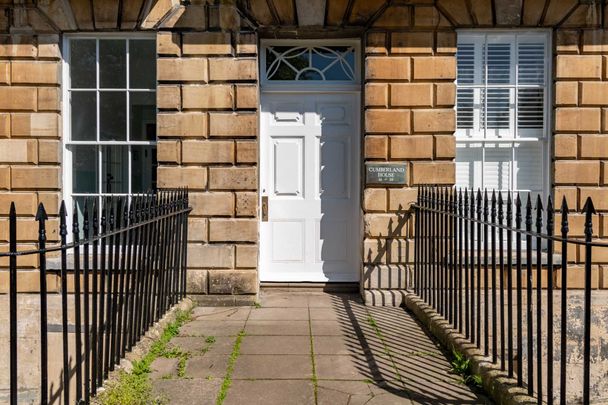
x=288 y=171
x=288 y=241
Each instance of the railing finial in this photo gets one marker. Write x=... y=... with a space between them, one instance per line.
x=41 y=213
x=589 y=210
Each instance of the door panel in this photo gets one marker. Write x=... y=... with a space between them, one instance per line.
x=309 y=162
x=288 y=166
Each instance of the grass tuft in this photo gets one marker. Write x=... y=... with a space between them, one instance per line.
x=236 y=351
x=135 y=388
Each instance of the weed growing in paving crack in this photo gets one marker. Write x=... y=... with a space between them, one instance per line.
x=236 y=351
x=372 y=322
x=135 y=387
x=181 y=356
x=315 y=380
x=209 y=340
x=462 y=367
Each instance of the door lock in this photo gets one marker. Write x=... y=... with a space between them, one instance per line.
x=264 y=208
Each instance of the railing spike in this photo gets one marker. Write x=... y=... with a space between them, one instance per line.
x=41 y=213
x=75 y=225
x=588 y=208
x=539 y=213
x=564 y=207
x=539 y=203
x=550 y=213
x=62 y=209
x=528 y=210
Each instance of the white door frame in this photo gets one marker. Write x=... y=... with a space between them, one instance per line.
x=355 y=171
x=269 y=87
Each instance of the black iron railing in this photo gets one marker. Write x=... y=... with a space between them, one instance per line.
x=127 y=259
x=469 y=246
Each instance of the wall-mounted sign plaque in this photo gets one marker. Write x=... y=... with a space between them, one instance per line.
x=385 y=173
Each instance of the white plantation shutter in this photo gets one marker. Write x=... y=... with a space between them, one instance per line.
x=497 y=167
x=501 y=110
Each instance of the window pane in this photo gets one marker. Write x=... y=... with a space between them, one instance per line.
x=143 y=170
x=115 y=169
x=465 y=56
x=142 y=64
x=84 y=169
x=112 y=63
x=142 y=116
x=499 y=63
x=465 y=167
x=113 y=116
x=464 y=108
x=530 y=112
x=82 y=63
x=531 y=64
x=529 y=166
x=497 y=111
x=497 y=166
x=84 y=115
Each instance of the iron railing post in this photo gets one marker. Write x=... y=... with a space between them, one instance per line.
x=12 y=288
x=41 y=217
x=589 y=210
x=564 y=299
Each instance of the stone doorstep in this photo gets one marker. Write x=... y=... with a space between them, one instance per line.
x=495 y=382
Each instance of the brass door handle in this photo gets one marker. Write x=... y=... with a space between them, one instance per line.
x=264 y=208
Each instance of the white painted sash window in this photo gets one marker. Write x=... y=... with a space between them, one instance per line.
x=502 y=120
x=110 y=120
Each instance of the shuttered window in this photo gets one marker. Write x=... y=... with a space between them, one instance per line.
x=501 y=110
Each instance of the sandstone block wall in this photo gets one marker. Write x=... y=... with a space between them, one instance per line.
x=208 y=121
x=409 y=93
x=580 y=143
x=30 y=136
x=207 y=141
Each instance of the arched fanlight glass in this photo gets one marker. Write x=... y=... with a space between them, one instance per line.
x=312 y=63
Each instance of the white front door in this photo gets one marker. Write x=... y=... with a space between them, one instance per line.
x=309 y=173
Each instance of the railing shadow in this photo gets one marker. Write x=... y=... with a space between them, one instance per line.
x=389 y=348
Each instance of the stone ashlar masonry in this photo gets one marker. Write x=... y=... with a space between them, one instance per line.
x=208 y=101
x=409 y=118
x=580 y=140
x=30 y=137
x=409 y=98
x=207 y=128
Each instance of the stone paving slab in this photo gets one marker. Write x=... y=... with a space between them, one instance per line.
x=219 y=313
x=361 y=355
x=206 y=366
x=273 y=367
x=279 y=314
x=283 y=392
x=278 y=328
x=212 y=328
x=163 y=368
x=221 y=345
x=331 y=328
x=190 y=344
x=330 y=367
x=187 y=391
x=343 y=393
x=276 y=345
x=338 y=345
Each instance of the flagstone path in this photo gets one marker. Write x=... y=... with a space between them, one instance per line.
x=308 y=348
